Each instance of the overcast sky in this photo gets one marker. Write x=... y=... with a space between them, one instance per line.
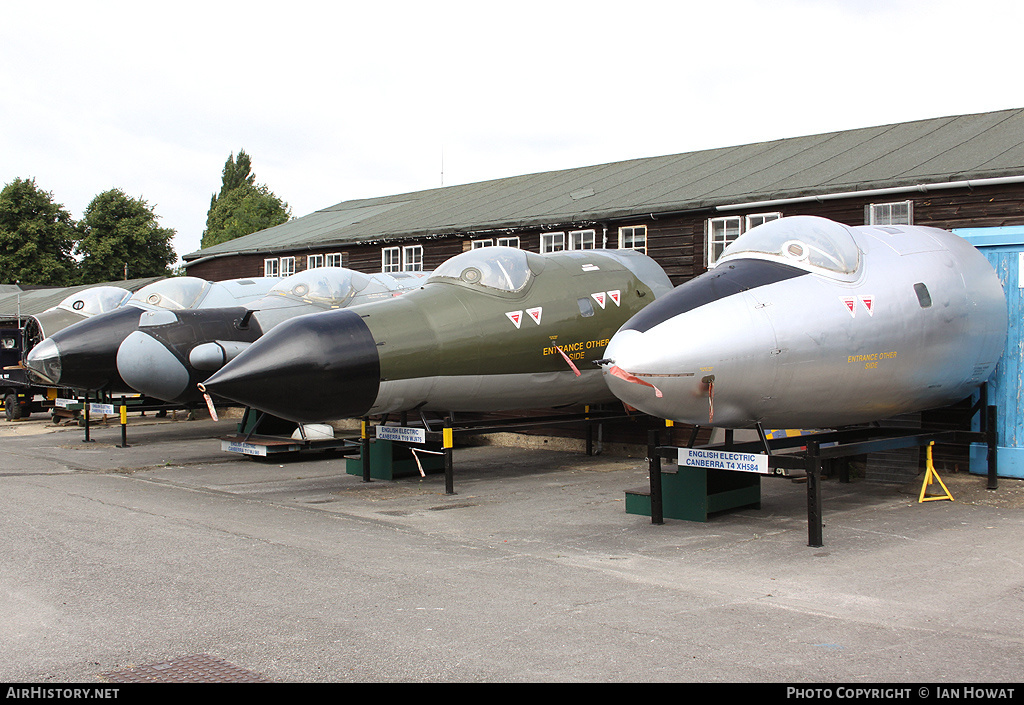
x=335 y=101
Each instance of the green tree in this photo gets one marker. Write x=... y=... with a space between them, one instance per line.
x=37 y=237
x=118 y=232
x=242 y=206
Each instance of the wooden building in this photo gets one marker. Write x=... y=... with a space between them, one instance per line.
x=959 y=172
x=952 y=172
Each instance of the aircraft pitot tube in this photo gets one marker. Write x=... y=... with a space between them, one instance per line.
x=807 y=323
x=492 y=329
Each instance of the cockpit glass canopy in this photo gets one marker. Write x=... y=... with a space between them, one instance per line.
x=801 y=240
x=332 y=284
x=97 y=299
x=503 y=268
x=173 y=293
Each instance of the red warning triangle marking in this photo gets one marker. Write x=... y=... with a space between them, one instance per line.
x=869 y=304
x=599 y=297
x=851 y=304
x=615 y=296
x=535 y=313
x=516 y=317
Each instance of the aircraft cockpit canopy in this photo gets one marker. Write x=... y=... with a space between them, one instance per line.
x=173 y=293
x=94 y=300
x=501 y=268
x=803 y=241
x=331 y=285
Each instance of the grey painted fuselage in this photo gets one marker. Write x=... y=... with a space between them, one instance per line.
x=893 y=319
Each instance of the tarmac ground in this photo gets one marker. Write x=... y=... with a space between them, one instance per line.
x=169 y=554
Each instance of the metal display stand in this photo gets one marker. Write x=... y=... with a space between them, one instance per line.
x=785 y=457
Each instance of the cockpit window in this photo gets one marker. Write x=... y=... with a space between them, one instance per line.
x=331 y=284
x=503 y=268
x=97 y=299
x=801 y=240
x=173 y=293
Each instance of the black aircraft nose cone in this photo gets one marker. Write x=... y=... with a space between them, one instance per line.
x=317 y=367
x=84 y=355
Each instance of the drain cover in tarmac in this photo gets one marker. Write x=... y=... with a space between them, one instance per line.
x=200 y=668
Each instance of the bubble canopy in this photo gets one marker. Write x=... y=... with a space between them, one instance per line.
x=808 y=241
x=501 y=268
x=97 y=299
x=332 y=284
x=173 y=293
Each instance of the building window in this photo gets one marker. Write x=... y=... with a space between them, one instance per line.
x=552 y=242
x=287 y=266
x=633 y=238
x=313 y=261
x=270 y=268
x=477 y=244
x=334 y=259
x=752 y=221
x=582 y=240
x=901 y=213
x=508 y=242
x=722 y=231
x=390 y=259
x=412 y=258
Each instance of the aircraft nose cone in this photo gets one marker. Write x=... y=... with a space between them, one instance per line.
x=629 y=354
x=84 y=355
x=148 y=367
x=44 y=361
x=317 y=367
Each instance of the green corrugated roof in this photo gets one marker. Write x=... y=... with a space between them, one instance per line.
x=939 y=150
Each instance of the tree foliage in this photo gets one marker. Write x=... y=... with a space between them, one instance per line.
x=37 y=236
x=242 y=206
x=118 y=231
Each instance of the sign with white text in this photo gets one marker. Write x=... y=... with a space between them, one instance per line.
x=723 y=460
x=401 y=433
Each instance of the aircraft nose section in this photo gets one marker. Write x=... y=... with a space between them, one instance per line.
x=148 y=367
x=44 y=361
x=84 y=355
x=629 y=357
x=316 y=367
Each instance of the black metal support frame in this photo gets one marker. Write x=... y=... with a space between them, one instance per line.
x=451 y=427
x=810 y=453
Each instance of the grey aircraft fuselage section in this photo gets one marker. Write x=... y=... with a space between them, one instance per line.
x=918 y=322
x=492 y=329
x=171 y=352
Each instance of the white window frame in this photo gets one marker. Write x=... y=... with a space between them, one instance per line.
x=720 y=232
x=334 y=259
x=314 y=261
x=271 y=268
x=390 y=259
x=509 y=241
x=477 y=244
x=630 y=235
x=882 y=213
x=552 y=242
x=412 y=258
x=579 y=240
x=755 y=219
x=287 y=266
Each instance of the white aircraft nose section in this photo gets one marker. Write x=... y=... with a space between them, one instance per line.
x=148 y=367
